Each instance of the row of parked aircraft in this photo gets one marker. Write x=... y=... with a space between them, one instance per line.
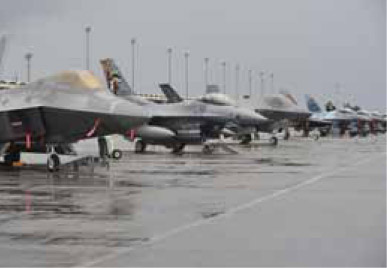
x=54 y=112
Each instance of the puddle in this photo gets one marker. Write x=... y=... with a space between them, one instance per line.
x=280 y=162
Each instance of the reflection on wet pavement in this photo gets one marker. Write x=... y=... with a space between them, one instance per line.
x=145 y=195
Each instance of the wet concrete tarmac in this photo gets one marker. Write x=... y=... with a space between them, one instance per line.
x=303 y=203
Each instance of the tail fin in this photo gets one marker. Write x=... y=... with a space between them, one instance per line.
x=170 y=93
x=312 y=105
x=114 y=78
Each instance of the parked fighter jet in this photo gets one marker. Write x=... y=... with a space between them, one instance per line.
x=176 y=124
x=62 y=109
x=281 y=109
x=243 y=131
x=342 y=119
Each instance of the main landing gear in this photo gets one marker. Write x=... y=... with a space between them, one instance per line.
x=178 y=148
x=246 y=139
x=139 y=146
x=273 y=141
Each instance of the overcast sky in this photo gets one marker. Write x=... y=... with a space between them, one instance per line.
x=327 y=48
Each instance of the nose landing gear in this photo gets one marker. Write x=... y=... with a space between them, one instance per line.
x=273 y=141
x=53 y=160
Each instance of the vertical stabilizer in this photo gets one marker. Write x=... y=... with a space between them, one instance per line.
x=312 y=104
x=114 y=78
x=171 y=94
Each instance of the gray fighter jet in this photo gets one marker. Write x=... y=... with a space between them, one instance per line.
x=243 y=131
x=62 y=109
x=283 y=109
x=176 y=124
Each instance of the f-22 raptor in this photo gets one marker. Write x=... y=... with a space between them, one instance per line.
x=62 y=109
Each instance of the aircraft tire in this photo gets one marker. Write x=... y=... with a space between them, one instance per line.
x=53 y=162
x=178 y=148
x=246 y=139
x=274 y=141
x=208 y=149
x=117 y=154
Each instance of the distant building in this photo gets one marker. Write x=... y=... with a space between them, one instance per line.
x=212 y=89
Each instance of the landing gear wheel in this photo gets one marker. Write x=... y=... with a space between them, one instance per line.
x=246 y=139
x=178 y=148
x=53 y=162
x=323 y=132
x=274 y=141
x=208 y=149
x=316 y=136
x=117 y=154
x=139 y=146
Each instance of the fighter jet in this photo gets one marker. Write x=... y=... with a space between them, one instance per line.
x=176 y=124
x=342 y=119
x=243 y=131
x=282 y=109
x=62 y=109
x=372 y=121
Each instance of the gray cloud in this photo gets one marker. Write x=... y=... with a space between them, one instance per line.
x=310 y=45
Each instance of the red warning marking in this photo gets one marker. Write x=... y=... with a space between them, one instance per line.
x=92 y=131
x=28 y=140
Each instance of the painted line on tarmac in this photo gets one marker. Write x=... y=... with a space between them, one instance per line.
x=228 y=213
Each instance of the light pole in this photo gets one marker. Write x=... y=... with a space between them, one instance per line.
x=28 y=57
x=206 y=61
x=186 y=55
x=261 y=76
x=272 y=82
x=237 y=68
x=169 y=52
x=224 y=77
x=133 y=45
x=87 y=31
x=250 y=82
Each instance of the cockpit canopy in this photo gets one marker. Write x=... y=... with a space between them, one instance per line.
x=69 y=79
x=217 y=99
